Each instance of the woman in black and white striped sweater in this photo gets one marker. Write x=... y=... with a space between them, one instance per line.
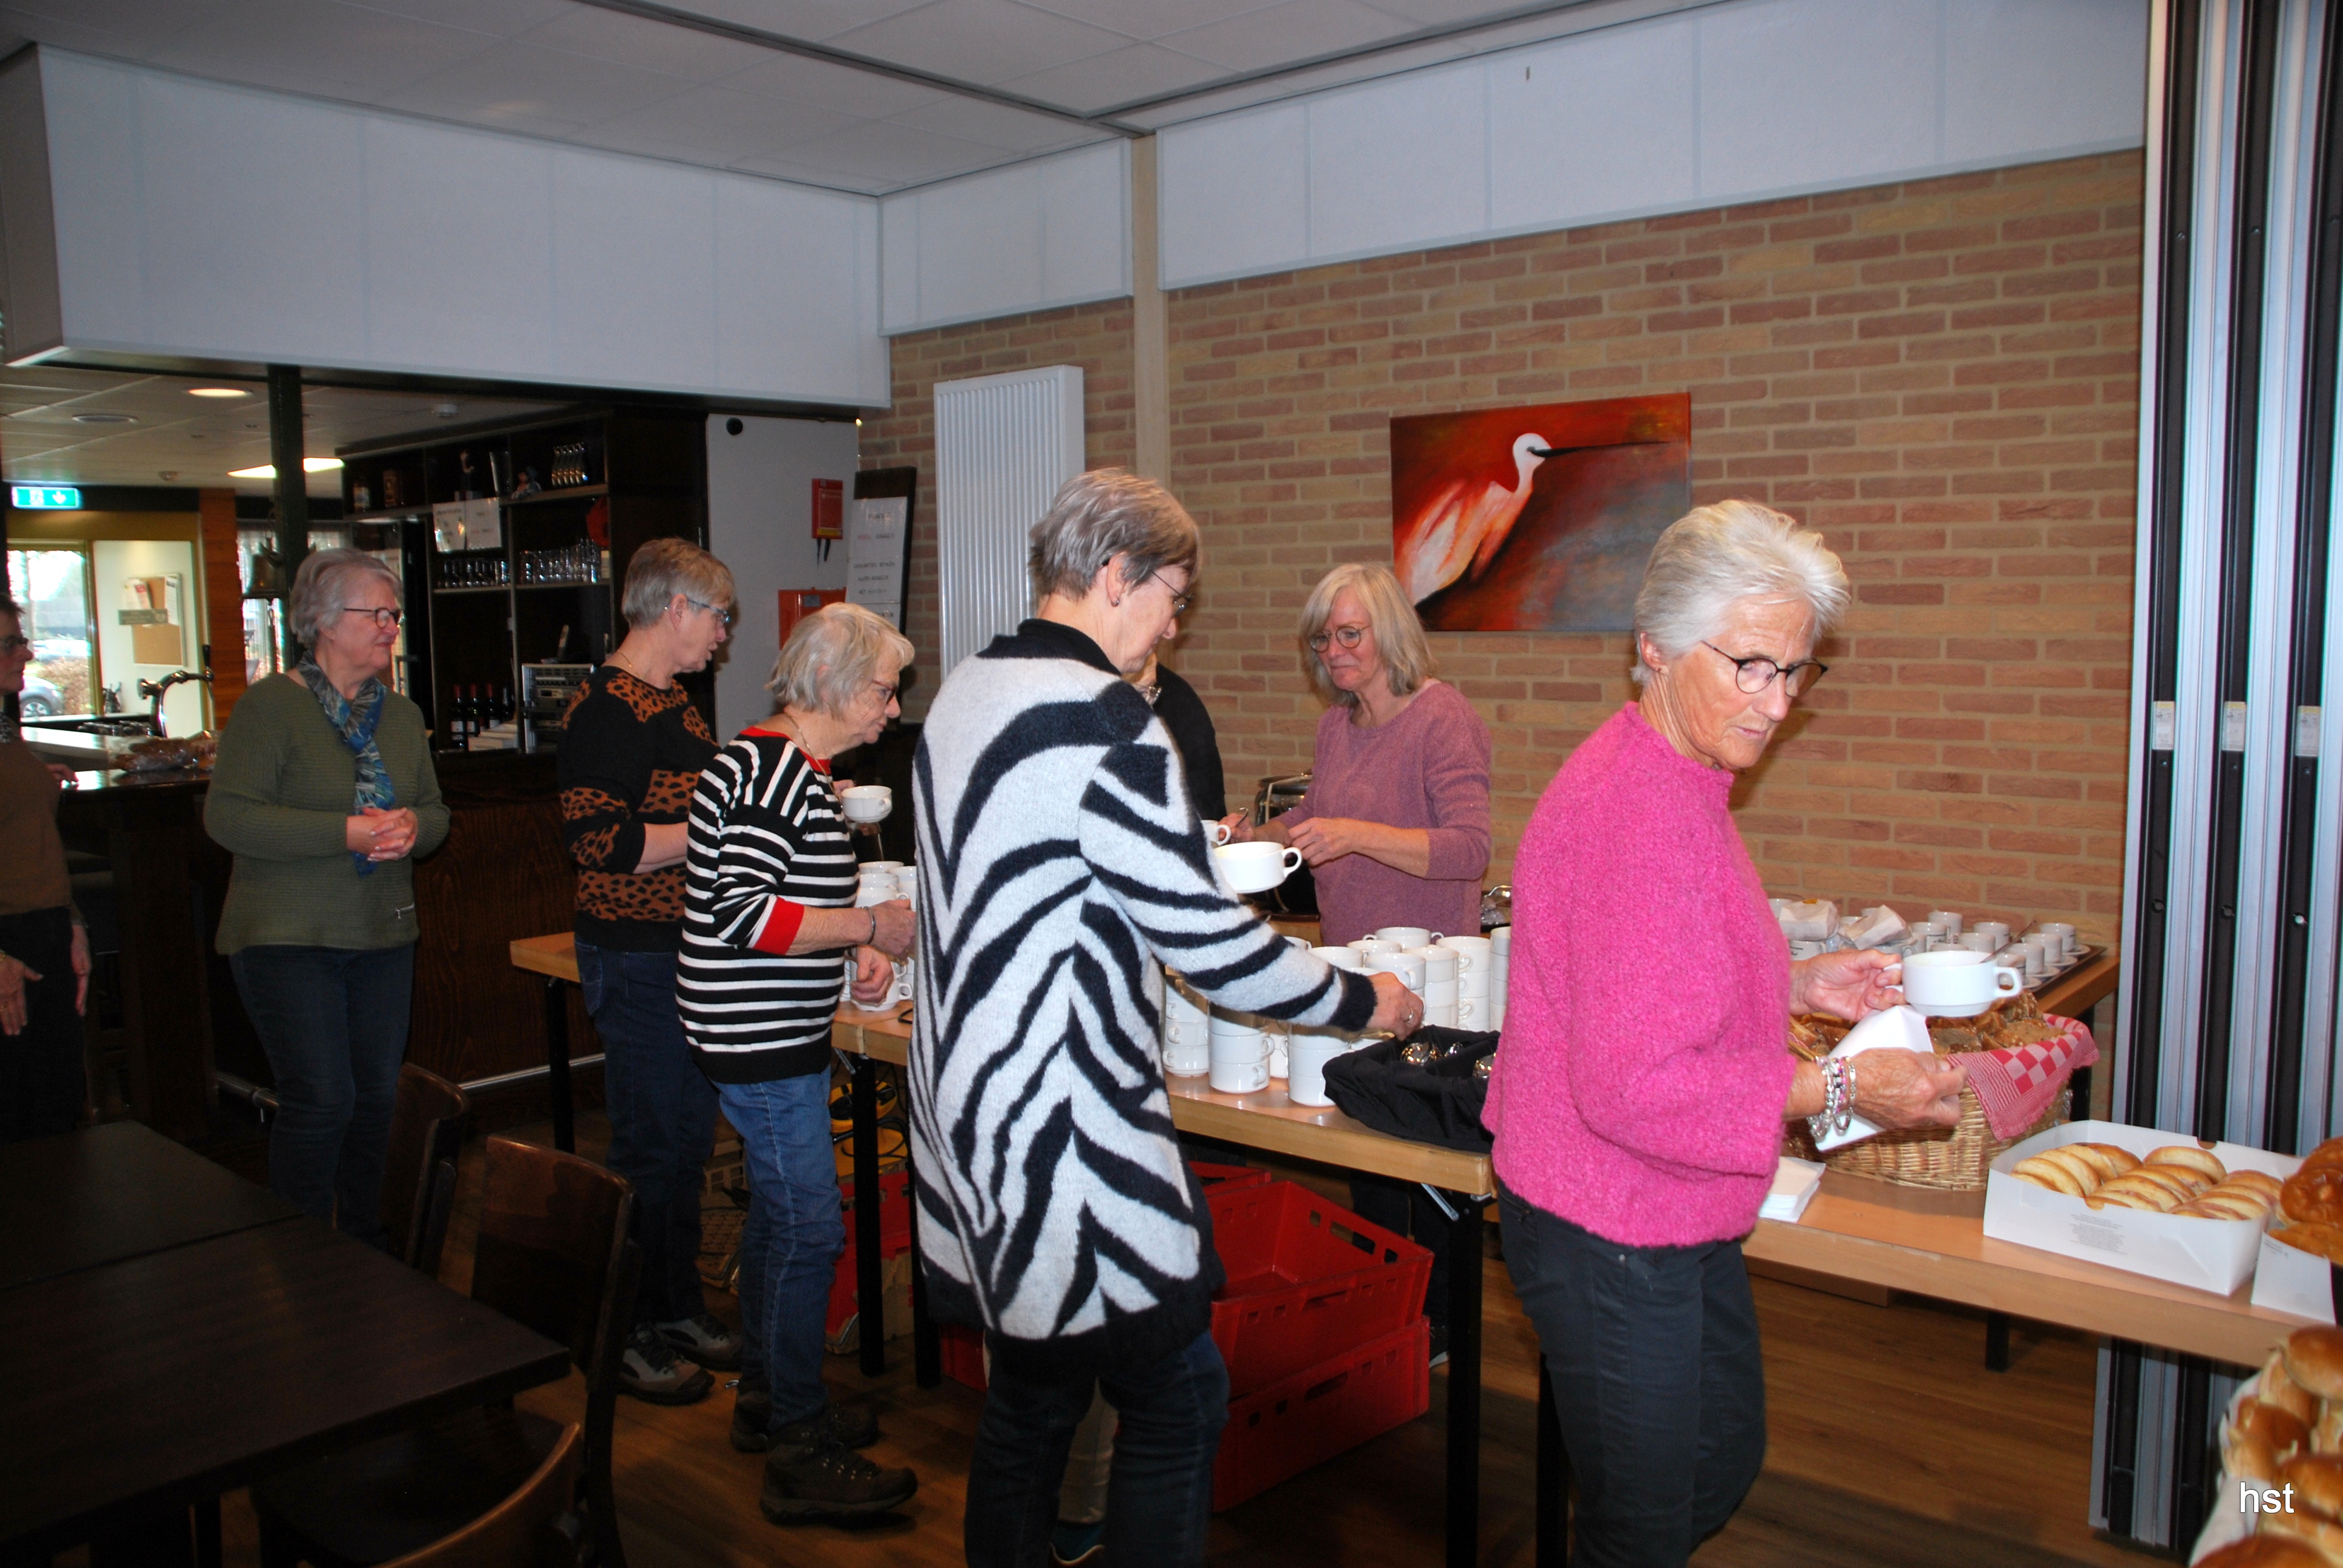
x=1061 y=862
x=768 y=943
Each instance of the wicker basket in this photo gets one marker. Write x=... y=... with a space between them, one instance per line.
x=1949 y=1159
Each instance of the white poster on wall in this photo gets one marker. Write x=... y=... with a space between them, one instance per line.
x=874 y=556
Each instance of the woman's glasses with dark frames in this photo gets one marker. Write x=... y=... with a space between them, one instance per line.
x=383 y=620
x=1348 y=636
x=1753 y=674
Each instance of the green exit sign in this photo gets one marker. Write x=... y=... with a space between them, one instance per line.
x=48 y=498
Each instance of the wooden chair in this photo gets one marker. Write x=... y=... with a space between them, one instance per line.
x=553 y=1254
x=419 y=1178
x=533 y=1528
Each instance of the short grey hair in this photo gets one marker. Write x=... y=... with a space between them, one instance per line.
x=662 y=568
x=323 y=587
x=829 y=656
x=1392 y=621
x=1715 y=556
x=1106 y=513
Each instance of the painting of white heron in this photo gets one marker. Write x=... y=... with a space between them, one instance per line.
x=1536 y=519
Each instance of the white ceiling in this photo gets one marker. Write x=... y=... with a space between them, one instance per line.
x=177 y=438
x=713 y=82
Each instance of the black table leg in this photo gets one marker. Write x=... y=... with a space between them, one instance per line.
x=1997 y=1341
x=1464 y=1383
x=927 y=1345
x=1553 y=1480
x=557 y=1066
x=869 y=1278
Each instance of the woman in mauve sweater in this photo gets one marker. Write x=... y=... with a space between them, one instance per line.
x=1639 y=1099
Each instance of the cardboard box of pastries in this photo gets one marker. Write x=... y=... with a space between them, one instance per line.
x=2295 y=1273
x=2171 y=1225
x=2283 y=1430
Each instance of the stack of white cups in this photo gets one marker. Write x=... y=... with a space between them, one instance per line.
x=1440 y=995
x=1473 y=964
x=1187 y=1029
x=1239 y=1063
x=1500 y=958
x=1310 y=1049
x=1408 y=966
x=880 y=882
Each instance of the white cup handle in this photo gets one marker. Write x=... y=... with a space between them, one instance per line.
x=2017 y=981
x=1464 y=1010
x=1218 y=833
x=1291 y=860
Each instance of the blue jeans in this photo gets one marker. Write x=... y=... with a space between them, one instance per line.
x=1160 y=1494
x=791 y=1239
x=1657 y=1382
x=333 y=1022
x=663 y=1119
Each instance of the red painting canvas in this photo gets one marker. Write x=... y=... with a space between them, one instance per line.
x=1536 y=519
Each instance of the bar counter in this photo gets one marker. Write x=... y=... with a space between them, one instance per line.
x=164 y=1012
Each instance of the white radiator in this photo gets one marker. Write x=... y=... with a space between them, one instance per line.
x=1004 y=443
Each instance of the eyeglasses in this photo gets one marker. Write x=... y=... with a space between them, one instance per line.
x=1180 y=601
x=383 y=620
x=887 y=693
x=1755 y=674
x=723 y=617
x=1348 y=636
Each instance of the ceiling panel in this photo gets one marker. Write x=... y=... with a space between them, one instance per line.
x=345 y=51
x=1128 y=75
x=1290 y=30
x=626 y=40
x=813 y=21
x=714 y=123
x=883 y=150
x=828 y=86
x=983 y=41
x=995 y=126
x=522 y=87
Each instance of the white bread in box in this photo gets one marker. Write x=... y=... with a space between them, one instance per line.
x=2216 y=1255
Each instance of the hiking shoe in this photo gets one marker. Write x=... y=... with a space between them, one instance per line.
x=846 y=1425
x=703 y=1340
x=825 y=1479
x=651 y=1371
x=1072 y=1544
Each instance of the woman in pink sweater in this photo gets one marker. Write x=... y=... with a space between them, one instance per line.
x=1639 y=1100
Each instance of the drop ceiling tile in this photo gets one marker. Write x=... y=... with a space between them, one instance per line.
x=985 y=41
x=712 y=122
x=824 y=85
x=881 y=150
x=997 y=125
x=1126 y=76
x=505 y=18
x=662 y=46
x=812 y=20
x=521 y=88
x=1444 y=13
x=130 y=27
x=1289 y=31
x=1149 y=18
x=339 y=51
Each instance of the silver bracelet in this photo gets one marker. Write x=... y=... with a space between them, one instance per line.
x=1834 y=1100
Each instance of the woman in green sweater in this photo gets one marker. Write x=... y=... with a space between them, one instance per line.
x=323 y=790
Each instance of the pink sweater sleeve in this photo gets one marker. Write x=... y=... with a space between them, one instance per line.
x=1456 y=787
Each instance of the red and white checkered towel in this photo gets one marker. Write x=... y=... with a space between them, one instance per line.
x=2015 y=1086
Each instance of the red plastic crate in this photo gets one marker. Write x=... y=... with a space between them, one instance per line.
x=1321 y=1412
x=964 y=1353
x=1227 y=1178
x=1298 y=1288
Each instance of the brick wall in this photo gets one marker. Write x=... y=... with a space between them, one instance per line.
x=1095 y=337
x=1940 y=376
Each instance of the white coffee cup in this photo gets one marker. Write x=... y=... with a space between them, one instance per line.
x=1257 y=867
x=867 y=802
x=1305 y=1067
x=1501 y=941
x=1440 y=964
x=873 y=890
x=1407 y=966
x=1215 y=833
x=2053 y=958
x=2025 y=960
x=1439 y=991
x=1956 y=983
x=1976 y=942
x=1368 y=947
x=1187 y=1049
x=1342 y=958
x=1408 y=936
x=1475 y=984
x=1996 y=929
x=1440 y=1014
x=1921 y=935
x=1239 y=1063
x=1473 y=954
x=1469 y=1008
x=1948 y=918
x=2064 y=932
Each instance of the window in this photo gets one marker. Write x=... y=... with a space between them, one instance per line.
x=53 y=584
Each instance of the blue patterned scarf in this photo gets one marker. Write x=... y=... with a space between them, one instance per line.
x=355 y=721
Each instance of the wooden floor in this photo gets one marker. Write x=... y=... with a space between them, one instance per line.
x=1890 y=1444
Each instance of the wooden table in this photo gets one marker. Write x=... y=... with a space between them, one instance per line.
x=555 y=958
x=115 y=1191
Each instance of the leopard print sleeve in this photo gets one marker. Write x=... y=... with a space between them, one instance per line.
x=605 y=762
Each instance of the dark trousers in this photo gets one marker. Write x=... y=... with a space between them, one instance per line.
x=333 y=1022
x=663 y=1119
x=1405 y=1209
x=44 y=1080
x=1657 y=1382
x=1160 y=1494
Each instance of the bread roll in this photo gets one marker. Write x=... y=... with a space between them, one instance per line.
x=2327 y=1156
x=2102 y=1168
x=2314 y=1195
x=2327 y=1433
x=2044 y=1172
x=2084 y=1167
x=2239 y=1192
x=2313 y=1531
x=2319 y=1240
x=2260 y=1182
x=2317 y=1483
x=2251 y=1458
x=2277 y=1388
x=2108 y=1197
x=2265 y=1552
x=2314 y=1358
x=2284 y=1433
x=2226 y=1206
x=2159 y=1195
x=2182 y=1184
x=2117 y=1154
x=2189 y=1157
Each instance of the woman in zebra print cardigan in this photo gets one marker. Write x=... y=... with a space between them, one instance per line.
x=1059 y=865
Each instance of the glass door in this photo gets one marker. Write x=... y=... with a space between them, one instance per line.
x=53 y=584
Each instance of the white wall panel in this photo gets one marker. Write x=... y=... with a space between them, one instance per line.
x=29 y=310
x=1034 y=236
x=1736 y=101
x=1555 y=156
x=206 y=221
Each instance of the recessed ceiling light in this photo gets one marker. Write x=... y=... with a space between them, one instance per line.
x=103 y=419
x=268 y=470
x=217 y=392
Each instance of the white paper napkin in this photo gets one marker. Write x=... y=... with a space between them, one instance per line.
x=1897 y=1028
x=1795 y=1183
